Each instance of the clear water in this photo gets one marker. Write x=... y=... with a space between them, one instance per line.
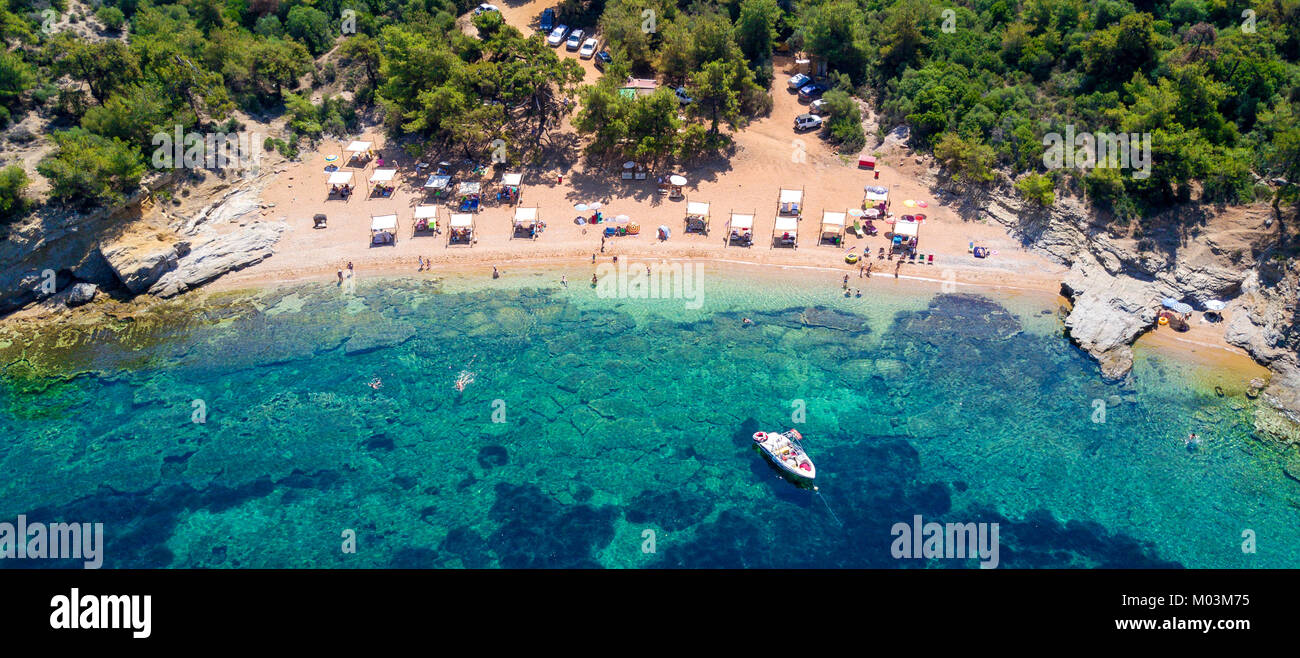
x=621 y=416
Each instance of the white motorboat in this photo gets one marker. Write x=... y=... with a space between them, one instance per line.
x=787 y=453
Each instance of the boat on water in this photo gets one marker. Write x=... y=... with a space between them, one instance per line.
x=784 y=450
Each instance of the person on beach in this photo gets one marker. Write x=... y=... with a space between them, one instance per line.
x=564 y=281
x=340 y=277
x=897 y=266
x=421 y=267
x=593 y=280
x=593 y=256
x=349 y=268
x=861 y=269
x=495 y=273
x=846 y=282
x=868 y=270
x=616 y=259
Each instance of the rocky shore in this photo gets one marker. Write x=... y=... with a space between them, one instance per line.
x=1116 y=284
x=61 y=259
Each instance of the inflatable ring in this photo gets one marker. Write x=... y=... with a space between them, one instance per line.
x=760 y=436
x=851 y=258
x=1164 y=320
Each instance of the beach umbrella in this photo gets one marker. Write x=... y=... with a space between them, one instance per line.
x=923 y=204
x=1175 y=305
x=595 y=205
x=1215 y=305
x=629 y=164
x=909 y=203
x=854 y=212
x=677 y=180
x=580 y=207
x=871 y=212
x=622 y=218
x=331 y=158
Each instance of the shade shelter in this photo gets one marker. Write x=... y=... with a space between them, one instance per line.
x=867 y=161
x=906 y=233
x=785 y=232
x=383 y=230
x=875 y=196
x=437 y=185
x=381 y=181
x=469 y=194
x=461 y=227
x=511 y=187
x=832 y=226
x=527 y=220
x=740 y=228
x=359 y=151
x=340 y=183
x=697 y=217
x=426 y=219
x=790 y=202
x=675 y=185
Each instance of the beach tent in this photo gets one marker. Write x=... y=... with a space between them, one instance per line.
x=426 y=219
x=382 y=176
x=511 y=186
x=462 y=228
x=526 y=218
x=832 y=225
x=469 y=196
x=383 y=229
x=740 y=228
x=340 y=181
x=790 y=202
x=697 y=217
x=785 y=232
x=437 y=184
x=358 y=150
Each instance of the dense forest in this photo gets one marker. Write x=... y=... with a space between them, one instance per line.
x=980 y=83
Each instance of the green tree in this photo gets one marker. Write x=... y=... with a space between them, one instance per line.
x=13 y=187
x=87 y=168
x=756 y=29
x=1037 y=189
x=311 y=26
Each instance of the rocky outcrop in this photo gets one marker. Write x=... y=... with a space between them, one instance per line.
x=218 y=255
x=1117 y=284
x=140 y=263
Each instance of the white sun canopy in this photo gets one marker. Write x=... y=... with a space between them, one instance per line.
x=462 y=220
x=877 y=196
x=383 y=175
x=742 y=221
x=697 y=208
x=791 y=196
x=358 y=147
x=909 y=229
x=426 y=212
x=383 y=222
x=787 y=224
x=438 y=181
x=833 y=218
x=470 y=188
x=512 y=180
x=525 y=215
x=340 y=178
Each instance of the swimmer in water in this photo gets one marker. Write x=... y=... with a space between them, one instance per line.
x=1192 y=441
x=746 y=321
x=376 y=383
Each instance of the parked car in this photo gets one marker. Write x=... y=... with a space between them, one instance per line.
x=575 y=40
x=485 y=8
x=683 y=97
x=548 y=19
x=557 y=35
x=799 y=80
x=588 y=49
x=812 y=91
x=602 y=58
x=807 y=122
x=819 y=107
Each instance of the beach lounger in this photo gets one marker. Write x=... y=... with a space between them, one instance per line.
x=931 y=260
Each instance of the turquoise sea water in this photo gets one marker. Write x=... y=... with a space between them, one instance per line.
x=623 y=416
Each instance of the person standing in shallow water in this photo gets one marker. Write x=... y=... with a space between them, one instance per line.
x=564 y=281
x=495 y=273
x=340 y=277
